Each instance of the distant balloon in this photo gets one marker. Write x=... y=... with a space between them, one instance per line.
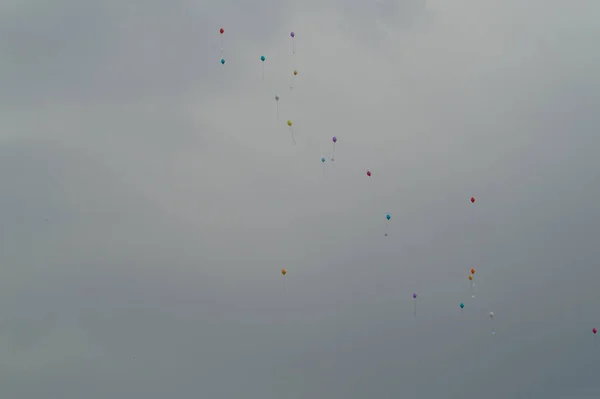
x=388 y=216
x=289 y=123
x=295 y=72
x=323 y=159
x=415 y=304
x=472 y=271
x=283 y=271
x=223 y=61
x=222 y=30
x=492 y=315
x=369 y=173
x=472 y=200
x=262 y=58
x=462 y=305
x=334 y=139
x=292 y=34
x=276 y=97
x=470 y=277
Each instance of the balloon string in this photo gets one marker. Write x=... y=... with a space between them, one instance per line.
x=221 y=46
x=277 y=110
x=415 y=302
x=263 y=70
x=284 y=290
x=293 y=139
x=293 y=46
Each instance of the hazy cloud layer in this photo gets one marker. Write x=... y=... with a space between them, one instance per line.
x=174 y=196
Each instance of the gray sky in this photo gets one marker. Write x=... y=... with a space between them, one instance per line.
x=175 y=196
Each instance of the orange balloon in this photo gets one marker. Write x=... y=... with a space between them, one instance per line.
x=472 y=271
x=470 y=277
x=283 y=271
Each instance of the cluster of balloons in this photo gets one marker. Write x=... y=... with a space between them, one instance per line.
x=334 y=140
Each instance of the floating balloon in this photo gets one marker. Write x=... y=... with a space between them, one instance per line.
x=472 y=200
x=263 y=58
x=223 y=61
x=283 y=272
x=289 y=123
x=369 y=173
x=473 y=271
x=222 y=31
x=293 y=35
x=470 y=277
x=277 y=101
x=462 y=305
x=387 y=217
x=295 y=72
x=323 y=159
x=334 y=139
x=415 y=304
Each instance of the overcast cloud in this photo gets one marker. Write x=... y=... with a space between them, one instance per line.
x=174 y=196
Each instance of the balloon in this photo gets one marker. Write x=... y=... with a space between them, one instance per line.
x=223 y=61
x=276 y=97
x=414 y=296
x=289 y=123
x=334 y=139
x=222 y=30
x=262 y=58
x=388 y=216
x=292 y=34
x=462 y=305
x=369 y=173
x=472 y=271
x=470 y=277
x=323 y=159
x=283 y=271
x=295 y=72
x=594 y=330
x=472 y=200
x=492 y=315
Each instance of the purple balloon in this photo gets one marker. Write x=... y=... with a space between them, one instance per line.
x=292 y=34
x=334 y=139
x=414 y=296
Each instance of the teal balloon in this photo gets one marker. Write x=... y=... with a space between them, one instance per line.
x=388 y=216
x=262 y=58
x=323 y=159
x=462 y=305
x=223 y=61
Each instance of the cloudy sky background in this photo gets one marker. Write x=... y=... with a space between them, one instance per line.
x=174 y=197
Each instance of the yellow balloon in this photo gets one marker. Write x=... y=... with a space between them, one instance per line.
x=283 y=271
x=295 y=72
x=470 y=277
x=289 y=123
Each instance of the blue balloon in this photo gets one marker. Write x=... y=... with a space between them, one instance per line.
x=388 y=217
x=462 y=305
x=323 y=159
x=223 y=61
x=262 y=58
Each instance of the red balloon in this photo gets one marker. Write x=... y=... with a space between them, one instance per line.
x=222 y=31
x=472 y=200
x=369 y=173
x=594 y=330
